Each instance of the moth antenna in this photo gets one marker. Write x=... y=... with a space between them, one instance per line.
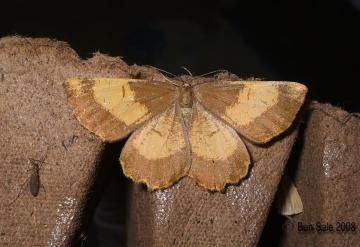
x=213 y=72
x=161 y=70
x=188 y=71
x=168 y=80
x=209 y=73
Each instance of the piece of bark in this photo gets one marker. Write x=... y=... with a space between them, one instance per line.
x=36 y=122
x=327 y=178
x=189 y=215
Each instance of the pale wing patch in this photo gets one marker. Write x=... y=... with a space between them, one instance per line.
x=114 y=107
x=219 y=157
x=259 y=110
x=160 y=138
x=288 y=200
x=252 y=101
x=158 y=153
x=116 y=96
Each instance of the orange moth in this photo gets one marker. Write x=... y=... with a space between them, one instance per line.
x=185 y=126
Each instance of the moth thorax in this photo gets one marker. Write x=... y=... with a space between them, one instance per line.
x=186 y=96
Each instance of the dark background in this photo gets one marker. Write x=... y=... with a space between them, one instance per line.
x=309 y=41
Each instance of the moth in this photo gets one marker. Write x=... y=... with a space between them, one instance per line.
x=185 y=126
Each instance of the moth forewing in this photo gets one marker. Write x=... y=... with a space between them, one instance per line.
x=112 y=108
x=258 y=110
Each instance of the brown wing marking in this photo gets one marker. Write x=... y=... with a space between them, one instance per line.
x=114 y=107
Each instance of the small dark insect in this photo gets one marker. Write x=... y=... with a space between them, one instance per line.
x=34 y=180
x=34 y=183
